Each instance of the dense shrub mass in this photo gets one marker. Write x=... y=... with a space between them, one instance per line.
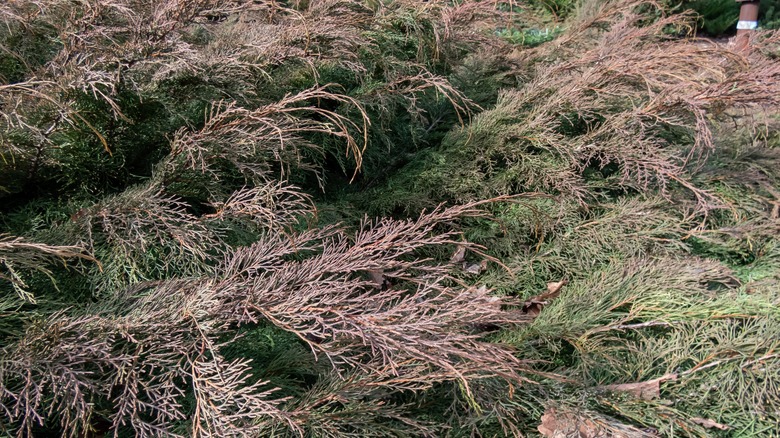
x=369 y=218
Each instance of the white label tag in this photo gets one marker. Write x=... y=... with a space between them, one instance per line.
x=747 y=25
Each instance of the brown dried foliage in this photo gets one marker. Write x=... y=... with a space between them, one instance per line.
x=630 y=84
x=131 y=361
x=18 y=255
x=251 y=139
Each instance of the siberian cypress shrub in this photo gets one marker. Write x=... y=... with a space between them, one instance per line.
x=581 y=234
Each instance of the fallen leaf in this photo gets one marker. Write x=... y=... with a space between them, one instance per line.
x=555 y=288
x=562 y=425
x=552 y=426
x=460 y=255
x=533 y=309
x=378 y=277
x=556 y=424
x=534 y=305
x=475 y=268
x=710 y=424
x=472 y=268
x=646 y=390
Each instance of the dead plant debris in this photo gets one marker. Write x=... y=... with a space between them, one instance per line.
x=557 y=424
x=534 y=305
x=647 y=390
x=710 y=424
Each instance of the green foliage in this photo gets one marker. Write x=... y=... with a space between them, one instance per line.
x=649 y=264
x=649 y=319
x=530 y=37
x=23 y=50
x=576 y=198
x=769 y=14
x=717 y=17
x=559 y=10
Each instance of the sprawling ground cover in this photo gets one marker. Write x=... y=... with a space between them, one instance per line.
x=402 y=218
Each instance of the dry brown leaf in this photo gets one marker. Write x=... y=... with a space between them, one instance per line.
x=646 y=390
x=378 y=277
x=556 y=424
x=555 y=288
x=534 y=305
x=710 y=424
x=475 y=268
x=562 y=425
x=460 y=255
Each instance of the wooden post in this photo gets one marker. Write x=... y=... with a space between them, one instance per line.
x=748 y=22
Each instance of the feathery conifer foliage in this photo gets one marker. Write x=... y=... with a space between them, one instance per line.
x=574 y=235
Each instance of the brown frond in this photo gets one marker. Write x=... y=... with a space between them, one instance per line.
x=17 y=255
